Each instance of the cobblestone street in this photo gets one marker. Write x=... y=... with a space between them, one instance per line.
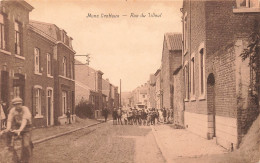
x=131 y=143
x=102 y=143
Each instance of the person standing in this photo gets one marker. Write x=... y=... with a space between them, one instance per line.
x=119 y=116
x=105 y=113
x=164 y=114
x=20 y=122
x=114 y=114
x=68 y=114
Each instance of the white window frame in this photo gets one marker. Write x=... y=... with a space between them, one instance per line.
x=2 y=32
x=247 y=7
x=192 y=77
x=202 y=94
x=38 y=101
x=185 y=34
x=52 y=111
x=49 y=65
x=37 y=61
x=64 y=66
x=64 y=102
x=18 y=36
x=186 y=80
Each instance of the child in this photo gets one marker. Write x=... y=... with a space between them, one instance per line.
x=124 y=116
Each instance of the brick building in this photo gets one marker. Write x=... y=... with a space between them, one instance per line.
x=151 y=92
x=59 y=65
x=140 y=95
x=217 y=96
x=41 y=76
x=158 y=91
x=171 y=59
x=14 y=20
x=89 y=86
x=37 y=64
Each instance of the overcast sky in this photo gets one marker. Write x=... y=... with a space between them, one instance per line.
x=126 y=48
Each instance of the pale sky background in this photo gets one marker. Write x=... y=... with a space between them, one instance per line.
x=122 y=48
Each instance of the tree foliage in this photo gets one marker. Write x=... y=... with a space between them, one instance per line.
x=252 y=52
x=84 y=109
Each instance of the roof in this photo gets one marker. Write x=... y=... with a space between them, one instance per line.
x=51 y=31
x=173 y=41
x=157 y=72
x=48 y=28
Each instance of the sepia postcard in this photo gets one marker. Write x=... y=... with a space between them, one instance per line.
x=129 y=81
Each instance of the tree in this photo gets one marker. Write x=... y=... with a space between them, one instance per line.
x=253 y=53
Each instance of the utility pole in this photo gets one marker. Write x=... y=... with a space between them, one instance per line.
x=87 y=60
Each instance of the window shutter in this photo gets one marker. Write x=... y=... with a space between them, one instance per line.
x=33 y=101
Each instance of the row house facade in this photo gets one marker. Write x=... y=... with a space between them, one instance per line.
x=217 y=97
x=171 y=59
x=92 y=88
x=111 y=95
x=31 y=64
x=14 y=20
x=53 y=72
x=140 y=95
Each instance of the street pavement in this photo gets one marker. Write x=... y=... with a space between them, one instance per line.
x=102 y=143
x=130 y=143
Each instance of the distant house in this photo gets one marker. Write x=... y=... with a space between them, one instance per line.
x=171 y=60
x=88 y=86
x=158 y=91
x=217 y=82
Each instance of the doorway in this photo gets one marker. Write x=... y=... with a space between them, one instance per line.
x=18 y=86
x=50 y=117
x=211 y=106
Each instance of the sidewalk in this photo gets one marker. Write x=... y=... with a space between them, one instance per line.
x=46 y=132
x=180 y=143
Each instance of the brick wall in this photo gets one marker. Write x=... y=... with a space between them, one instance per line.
x=165 y=76
x=178 y=98
x=196 y=31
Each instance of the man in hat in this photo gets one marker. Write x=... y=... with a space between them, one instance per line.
x=19 y=121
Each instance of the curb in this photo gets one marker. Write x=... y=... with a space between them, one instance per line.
x=158 y=142
x=64 y=133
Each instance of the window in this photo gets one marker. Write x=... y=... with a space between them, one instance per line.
x=38 y=104
x=49 y=65
x=2 y=32
x=72 y=70
x=193 y=76
x=64 y=66
x=185 y=34
x=18 y=35
x=17 y=91
x=202 y=71
x=36 y=61
x=64 y=102
x=248 y=3
x=186 y=80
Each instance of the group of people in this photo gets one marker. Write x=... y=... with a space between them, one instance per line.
x=133 y=116
x=17 y=120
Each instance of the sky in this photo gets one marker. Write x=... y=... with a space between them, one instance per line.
x=125 y=47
